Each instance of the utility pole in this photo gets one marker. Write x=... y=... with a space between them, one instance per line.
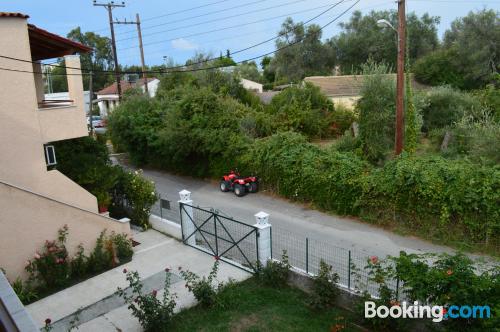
x=91 y=97
x=141 y=49
x=109 y=6
x=400 y=77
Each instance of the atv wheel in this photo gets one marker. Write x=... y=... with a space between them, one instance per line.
x=254 y=187
x=224 y=186
x=239 y=190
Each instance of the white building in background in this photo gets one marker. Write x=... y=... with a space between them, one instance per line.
x=107 y=99
x=65 y=96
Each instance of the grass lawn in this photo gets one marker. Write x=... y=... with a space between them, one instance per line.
x=248 y=306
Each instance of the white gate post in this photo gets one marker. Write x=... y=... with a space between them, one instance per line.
x=264 y=237
x=187 y=217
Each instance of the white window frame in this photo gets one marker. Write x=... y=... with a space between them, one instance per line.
x=48 y=150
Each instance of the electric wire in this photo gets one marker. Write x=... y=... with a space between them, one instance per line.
x=165 y=71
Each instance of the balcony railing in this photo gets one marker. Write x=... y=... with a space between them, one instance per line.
x=54 y=103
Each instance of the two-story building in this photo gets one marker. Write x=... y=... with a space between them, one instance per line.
x=35 y=199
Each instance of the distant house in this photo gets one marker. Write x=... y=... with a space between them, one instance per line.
x=252 y=86
x=107 y=98
x=346 y=89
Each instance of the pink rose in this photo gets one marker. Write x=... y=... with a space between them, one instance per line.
x=374 y=259
x=154 y=292
x=37 y=256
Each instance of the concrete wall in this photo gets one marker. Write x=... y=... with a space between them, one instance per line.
x=349 y=102
x=251 y=85
x=28 y=219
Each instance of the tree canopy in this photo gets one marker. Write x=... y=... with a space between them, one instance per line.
x=362 y=39
x=100 y=59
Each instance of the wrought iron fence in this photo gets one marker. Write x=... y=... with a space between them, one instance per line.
x=167 y=208
x=305 y=254
x=221 y=236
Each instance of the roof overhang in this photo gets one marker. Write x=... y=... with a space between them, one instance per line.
x=46 y=45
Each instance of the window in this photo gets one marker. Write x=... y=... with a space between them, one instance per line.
x=50 y=155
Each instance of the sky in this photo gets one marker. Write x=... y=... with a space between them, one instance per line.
x=179 y=29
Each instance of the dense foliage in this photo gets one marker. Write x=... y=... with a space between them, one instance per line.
x=377 y=113
x=53 y=269
x=468 y=58
x=85 y=161
x=362 y=39
x=442 y=280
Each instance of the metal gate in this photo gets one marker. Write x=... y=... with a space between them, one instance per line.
x=231 y=240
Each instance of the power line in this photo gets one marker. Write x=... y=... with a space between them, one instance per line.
x=208 y=60
x=195 y=69
x=261 y=31
x=212 y=21
x=177 y=12
x=196 y=16
x=230 y=27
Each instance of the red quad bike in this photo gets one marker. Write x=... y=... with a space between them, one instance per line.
x=239 y=184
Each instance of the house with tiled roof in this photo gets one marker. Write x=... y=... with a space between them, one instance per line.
x=108 y=99
x=346 y=89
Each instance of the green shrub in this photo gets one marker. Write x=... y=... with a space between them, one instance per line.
x=134 y=126
x=340 y=120
x=85 y=161
x=443 y=106
x=376 y=109
x=24 y=291
x=79 y=264
x=294 y=168
x=324 y=289
x=432 y=195
x=123 y=246
x=446 y=279
x=439 y=68
x=153 y=314
x=347 y=143
x=477 y=139
x=101 y=258
x=204 y=289
x=136 y=195
x=50 y=269
x=275 y=273
x=303 y=109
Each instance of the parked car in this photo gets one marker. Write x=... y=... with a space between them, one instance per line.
x=97 y=121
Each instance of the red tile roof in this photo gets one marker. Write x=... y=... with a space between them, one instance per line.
x=46 y=45
x=6 y=14
x=113 y=90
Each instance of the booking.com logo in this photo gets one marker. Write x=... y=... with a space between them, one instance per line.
x=437 y=313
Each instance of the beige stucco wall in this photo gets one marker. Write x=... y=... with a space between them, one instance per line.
x=24 y=128
x=27 y=220
x=35 y=202
x=349 y=102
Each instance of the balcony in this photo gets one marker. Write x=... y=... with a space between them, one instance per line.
x=60 y=121
x=63 y=118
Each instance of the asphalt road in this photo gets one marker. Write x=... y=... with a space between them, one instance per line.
x=291 y=218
